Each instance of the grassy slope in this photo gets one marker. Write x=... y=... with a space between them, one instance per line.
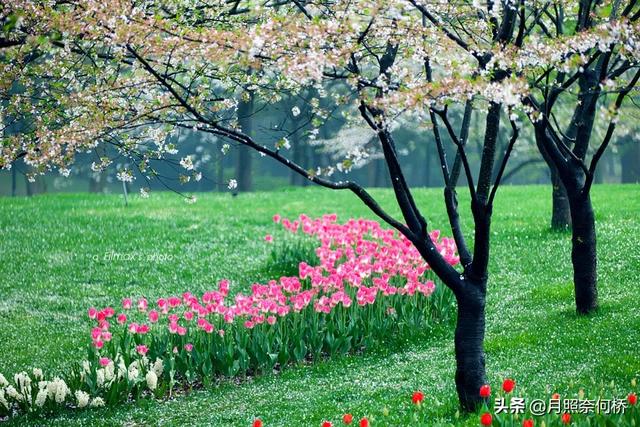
x=53 y=266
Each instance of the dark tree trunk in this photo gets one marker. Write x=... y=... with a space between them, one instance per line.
x=469 y=346
x=561 y=213
x=583 y=254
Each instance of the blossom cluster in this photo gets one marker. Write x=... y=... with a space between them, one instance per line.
x=320 y=312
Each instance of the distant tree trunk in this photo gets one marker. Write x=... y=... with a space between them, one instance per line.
x=371 y=173
x=299 y=157
x=28 y=187
x=219 y=166
x=243 y=165
x=14 y=174
x=560 y=210
x=96 y=183
x=630 y=162
x=583 y=254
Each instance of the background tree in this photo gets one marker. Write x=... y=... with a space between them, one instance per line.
x=609 y=71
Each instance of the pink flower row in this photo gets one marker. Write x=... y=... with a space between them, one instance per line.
x=357 y=259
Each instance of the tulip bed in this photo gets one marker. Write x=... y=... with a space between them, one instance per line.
x=369 y=284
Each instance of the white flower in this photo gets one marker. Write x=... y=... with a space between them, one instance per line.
x=62 y=391
x=283 y=143
x=225 y=148
x=125 y=175
x=132 y=372
x=3 y=381
x=97 y=402
x=41 y=398
x=152 y=380
x=158 y=367
x=100 y=377
x=197 y=176
x=109 y=372
x=232 y=184
x=13 y=393
x=82 y=398
x=23 y=381
x=37 y=373
x=295 y=111
x=64 y=172
x=144 y=193
x=187 y=163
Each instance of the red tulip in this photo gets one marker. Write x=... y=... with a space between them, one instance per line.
x=485 y=391
x=347 y=419
x=327 y=424
x=364 y=422
x=566 y=418
x=555 y=396
x=417 y=397
x=486 y=419
x=257 y=423
x=527 y=423
x=508 y=385
x=632 y=399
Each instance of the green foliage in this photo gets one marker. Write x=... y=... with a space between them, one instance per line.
x=48 y=274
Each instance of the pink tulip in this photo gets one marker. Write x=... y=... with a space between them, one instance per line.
x=122 y=318
x=104 y=361
x=153 y=316
x=126 y=303
x=142 y=349
x=93 y=313
x=188 y=347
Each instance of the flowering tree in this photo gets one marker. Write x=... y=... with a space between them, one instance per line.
x=606 y=35
x=127 y=74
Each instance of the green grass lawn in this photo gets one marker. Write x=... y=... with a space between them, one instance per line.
x=63 y=253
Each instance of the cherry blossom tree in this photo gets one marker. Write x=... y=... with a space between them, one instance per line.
x=607 y=35
x=129 y=74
